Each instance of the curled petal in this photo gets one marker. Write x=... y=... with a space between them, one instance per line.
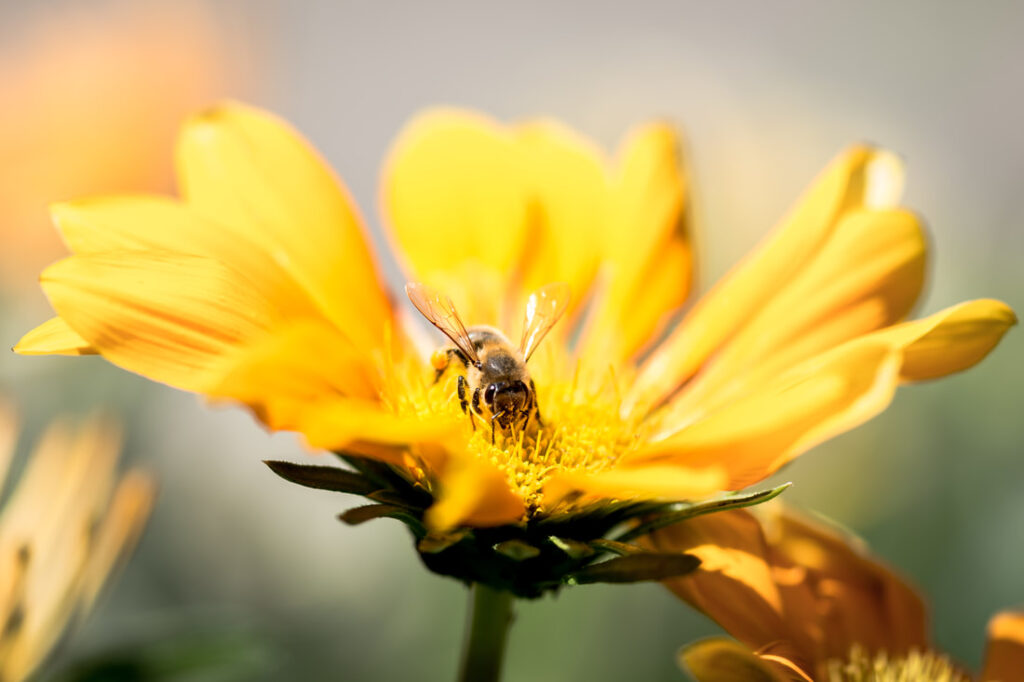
x=950 y=340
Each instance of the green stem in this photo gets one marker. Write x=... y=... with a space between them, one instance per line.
x=490 y=617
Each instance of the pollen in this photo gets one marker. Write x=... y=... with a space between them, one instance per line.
x=914 y=667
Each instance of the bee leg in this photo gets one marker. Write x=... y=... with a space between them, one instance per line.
x=492 y=430
x=536 y=407
x=463 y=403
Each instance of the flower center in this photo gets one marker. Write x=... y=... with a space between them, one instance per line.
x=581 y=431
x=914 y=667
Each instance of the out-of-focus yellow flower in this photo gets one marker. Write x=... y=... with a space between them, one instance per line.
x=806 y=602
x=67 y=523
x=259 y=286
x=61 y=135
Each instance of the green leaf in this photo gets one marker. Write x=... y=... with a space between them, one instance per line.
x=636 y=568
x=517 y=550
x=323 y=478
x=369 y=512
x=689 y=511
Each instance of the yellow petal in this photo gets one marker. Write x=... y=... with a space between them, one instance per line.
x=454 y=191
x=116 y=537
x=860 y=177
x=168 y=317
x=8 y=434
x=474 y=493
x=734 y=584
x=334 y=424
x=951 y=340
x=646 y=248
x=568 y=186
x=754 y=435
x=161 y=224
x=724 y=660
x=246 y=168
x=1004 y=657
x=53 y=337
x=306 y=363
x=664 y=482
x=865 y=277
x=867 y=603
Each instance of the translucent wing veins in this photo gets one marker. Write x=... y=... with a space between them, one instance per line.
x=543 y=309
x=440 y=312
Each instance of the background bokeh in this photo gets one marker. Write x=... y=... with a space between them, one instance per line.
x=766 y=93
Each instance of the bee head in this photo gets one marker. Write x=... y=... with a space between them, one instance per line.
x=507 y=398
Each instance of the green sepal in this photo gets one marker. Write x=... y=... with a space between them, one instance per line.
x=574 y=549
x=636 y=568
x=435 y=542
x=615 y=547
x=388 y=477
x=682 y=511
x=369 y=512
x=393 y=498
x=517 y=550
x=323 y=478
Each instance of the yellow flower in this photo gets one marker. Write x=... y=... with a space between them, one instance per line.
x=809 y=603
x=259 y=286
x=65 y=526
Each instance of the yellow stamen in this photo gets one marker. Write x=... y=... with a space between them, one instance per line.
x=915 y=667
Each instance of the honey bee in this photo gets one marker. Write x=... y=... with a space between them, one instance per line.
x=495 y=380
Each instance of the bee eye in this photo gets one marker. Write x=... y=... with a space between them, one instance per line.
x=489 y=393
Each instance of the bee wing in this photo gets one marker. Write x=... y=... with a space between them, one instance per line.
x=543 y=309
x=441 y=313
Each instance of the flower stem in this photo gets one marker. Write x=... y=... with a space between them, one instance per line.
x=490 y=617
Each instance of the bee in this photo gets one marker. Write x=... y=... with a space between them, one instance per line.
x=495 y=379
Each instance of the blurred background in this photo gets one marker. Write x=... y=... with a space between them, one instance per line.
x=91 y=95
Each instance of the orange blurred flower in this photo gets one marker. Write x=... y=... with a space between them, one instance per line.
x=806 y=602
x=68 y=522
x=90 y=102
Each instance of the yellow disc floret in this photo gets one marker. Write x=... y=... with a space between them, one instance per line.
x=914 y=667
x=581 y=431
